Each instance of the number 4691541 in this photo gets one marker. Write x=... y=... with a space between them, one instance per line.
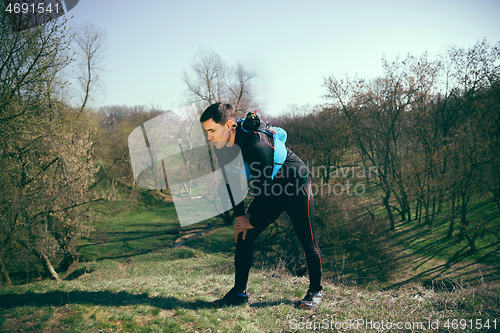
x=471 y=323
x=25 y=8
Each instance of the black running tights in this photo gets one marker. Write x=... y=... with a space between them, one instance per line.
x=300 y=209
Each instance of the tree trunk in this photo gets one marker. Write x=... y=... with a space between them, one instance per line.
x=405 y=206
x=402 y=213
x=47 y=266
x=431 y=223
x=420 y=211
x=472 y=243
x=452 y=218
x=400 y=201
x=327 y=174
x=427 y=202
x=416 y=210
x=450 y=229
x=388 y=208
x=440 y=202
x=495 y=197
x=5 y=273
x=463 y=218
x=408 y=209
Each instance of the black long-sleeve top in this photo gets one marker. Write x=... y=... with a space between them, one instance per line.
x=257 y=149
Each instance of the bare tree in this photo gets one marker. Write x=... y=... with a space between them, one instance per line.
x=377 y=113
x=211 y=81
x=319 y=136
x=89 y=54
x=471 y=148
x=28 y=74
x=46 y=153
x=208 y=84
x=116 y=124
x=239 y=86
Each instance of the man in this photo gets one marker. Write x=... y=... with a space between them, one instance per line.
x=289 y=191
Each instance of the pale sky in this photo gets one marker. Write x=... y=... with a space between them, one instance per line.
x=291 y=45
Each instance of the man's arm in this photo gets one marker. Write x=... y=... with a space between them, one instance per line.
x=259 y=154
x=229 y=178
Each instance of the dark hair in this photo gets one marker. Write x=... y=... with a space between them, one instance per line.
x=219 y=112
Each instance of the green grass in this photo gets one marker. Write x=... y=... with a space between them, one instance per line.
x=140 y=221
x=130 y=233
x=434 y=254
x=158 y=292
x=136 y=222
x=425 y=252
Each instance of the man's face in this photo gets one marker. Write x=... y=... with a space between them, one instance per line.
x=218 y=134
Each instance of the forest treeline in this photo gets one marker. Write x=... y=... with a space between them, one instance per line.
x=430 y=128
x=424 y=135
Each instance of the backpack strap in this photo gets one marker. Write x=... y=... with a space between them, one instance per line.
x=279 y=137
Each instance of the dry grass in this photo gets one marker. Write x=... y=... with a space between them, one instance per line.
x=158 y=293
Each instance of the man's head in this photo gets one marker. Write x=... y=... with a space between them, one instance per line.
x=219 y=121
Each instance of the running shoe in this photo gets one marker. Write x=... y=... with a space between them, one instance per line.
x=233 y=297
x=312 y=300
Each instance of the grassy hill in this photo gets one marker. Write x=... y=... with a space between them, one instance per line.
x=169 y=290
x=133 y=277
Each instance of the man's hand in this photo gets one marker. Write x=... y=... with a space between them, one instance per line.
x=242 y=225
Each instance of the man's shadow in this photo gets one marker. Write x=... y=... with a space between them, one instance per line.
x=108 y=298
x=103 y=298
x=275 y=303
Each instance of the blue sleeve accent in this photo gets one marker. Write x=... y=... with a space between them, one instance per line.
x=279 y=156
